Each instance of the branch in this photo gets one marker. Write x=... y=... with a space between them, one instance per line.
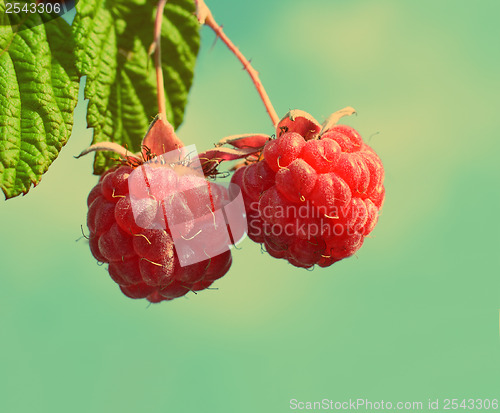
x=156 y=46
x=205 y=17
x=160 y=137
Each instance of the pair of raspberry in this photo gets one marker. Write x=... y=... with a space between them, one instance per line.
x=311 y=197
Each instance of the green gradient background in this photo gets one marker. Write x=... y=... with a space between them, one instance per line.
x=414 y=316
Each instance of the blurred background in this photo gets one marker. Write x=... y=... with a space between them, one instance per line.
x=415 y=315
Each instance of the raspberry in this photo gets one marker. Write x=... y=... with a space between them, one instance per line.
x=144 y=262
x=313 y=196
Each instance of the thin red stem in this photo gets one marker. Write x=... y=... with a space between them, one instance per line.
x=160 y=137
x=159 y=72
x=205 y=17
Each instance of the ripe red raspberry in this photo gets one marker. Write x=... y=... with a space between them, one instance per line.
x=144 y=262
x=315 y=194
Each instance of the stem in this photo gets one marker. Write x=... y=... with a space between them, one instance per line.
x=160 y=137
x=205 y=17
x=157 y=48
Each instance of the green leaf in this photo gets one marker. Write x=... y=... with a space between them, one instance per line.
x=113 y=38
x=38 y=94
